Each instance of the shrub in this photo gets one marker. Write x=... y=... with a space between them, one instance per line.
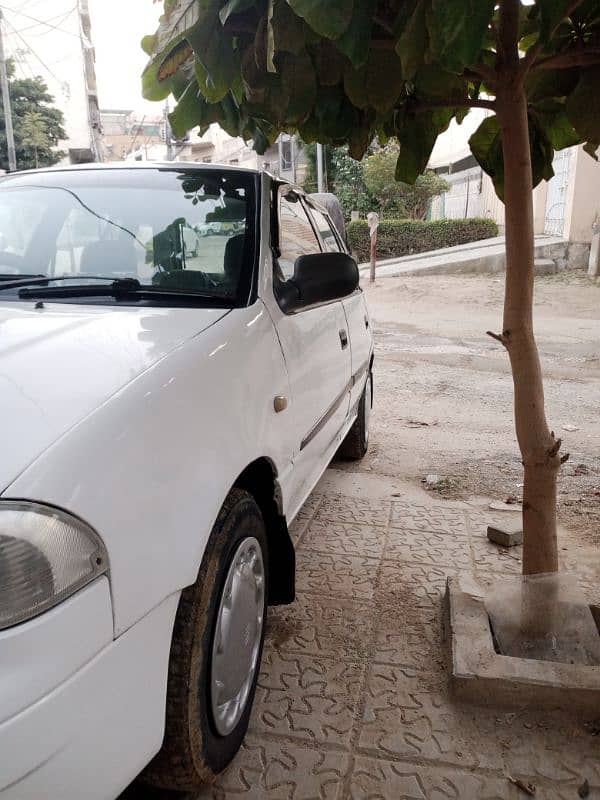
x=402 y=237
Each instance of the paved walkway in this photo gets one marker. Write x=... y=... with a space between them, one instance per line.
x=353 y=699
x=486 y=255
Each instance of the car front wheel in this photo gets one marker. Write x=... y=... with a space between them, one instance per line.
x=216 y=651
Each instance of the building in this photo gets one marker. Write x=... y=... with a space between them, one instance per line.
x=57 y=44
x=125 y=132
x=284 y=159
x=567 y=206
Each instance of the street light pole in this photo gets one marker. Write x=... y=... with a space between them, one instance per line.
x=8 y=123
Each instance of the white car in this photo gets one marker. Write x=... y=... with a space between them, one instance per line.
x=162 y=426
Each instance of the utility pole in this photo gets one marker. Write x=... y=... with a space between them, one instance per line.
x=8 y=123
x=168 y=132
x=320 y=170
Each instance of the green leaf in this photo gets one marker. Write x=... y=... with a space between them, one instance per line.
x=552 y=116
x=384 y=80
x=179 y=83
x=413 y=39
x=188 y=112
x=149 y=44
x=434 y=83
x=218 y=65
x=551 y=14
x=329 y=63
x=457 y=30
x=546 y=83
x=354 y=43
x=355 y=86
x=486 y=146
x=583 y=108
x=234 y=7
x=360 y=139
x=298 y=77
x=417 y=136
x=329 y=18
x=542 y=152
x=336 y=116
x=289 y=30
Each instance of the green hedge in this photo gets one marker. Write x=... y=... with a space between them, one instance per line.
x=402 y=237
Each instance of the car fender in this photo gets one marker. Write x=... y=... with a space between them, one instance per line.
x=150 y=468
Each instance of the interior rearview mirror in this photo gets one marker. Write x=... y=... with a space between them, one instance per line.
x=319 y=278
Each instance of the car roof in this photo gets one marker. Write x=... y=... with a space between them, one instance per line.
x=124 y=165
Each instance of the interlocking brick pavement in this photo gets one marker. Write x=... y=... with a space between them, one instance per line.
x=353 y=699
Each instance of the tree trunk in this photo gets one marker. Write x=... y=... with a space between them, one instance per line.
x=539 y=448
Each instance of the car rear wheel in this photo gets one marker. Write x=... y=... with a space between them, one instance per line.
x=356 y=443
x=216 y=651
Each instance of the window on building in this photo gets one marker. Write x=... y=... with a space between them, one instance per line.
x=296 y=234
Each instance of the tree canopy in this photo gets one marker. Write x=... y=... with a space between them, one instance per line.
x=38 y=126
x=403 y=199
x=345 y=71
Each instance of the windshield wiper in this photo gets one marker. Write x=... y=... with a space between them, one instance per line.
x=123 y=289
x=43 y=280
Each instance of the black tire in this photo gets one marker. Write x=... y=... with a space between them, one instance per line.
x=356 y=443
x=193 y=752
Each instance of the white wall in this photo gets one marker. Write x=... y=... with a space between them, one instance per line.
x=56 y=56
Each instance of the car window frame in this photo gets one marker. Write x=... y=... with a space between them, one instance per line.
x=277 y=189
x=310 y=206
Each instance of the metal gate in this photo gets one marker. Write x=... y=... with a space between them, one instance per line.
x=557 y=194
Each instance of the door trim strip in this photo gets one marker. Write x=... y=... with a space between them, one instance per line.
x=326 y=416
x=334 y=406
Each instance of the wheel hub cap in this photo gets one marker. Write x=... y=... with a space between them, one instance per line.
x=238 y=633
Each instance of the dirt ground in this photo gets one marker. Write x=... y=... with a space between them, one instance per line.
x=444 y=391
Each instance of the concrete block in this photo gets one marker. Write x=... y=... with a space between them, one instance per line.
x=480 y=675
x=506 y=535
x=545 y=266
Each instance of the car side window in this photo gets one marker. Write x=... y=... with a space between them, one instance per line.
x=296 y=234
x=330 y=242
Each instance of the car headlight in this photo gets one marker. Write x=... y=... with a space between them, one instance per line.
x=45 y=556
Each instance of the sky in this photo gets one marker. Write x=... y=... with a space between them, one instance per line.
x=119 y=57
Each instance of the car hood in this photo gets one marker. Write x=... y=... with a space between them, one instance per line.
x=58 y=364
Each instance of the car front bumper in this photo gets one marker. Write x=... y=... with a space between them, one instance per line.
x=81 y=714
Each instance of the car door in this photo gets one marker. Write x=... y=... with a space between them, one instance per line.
x=317 y=354
x=355 y=310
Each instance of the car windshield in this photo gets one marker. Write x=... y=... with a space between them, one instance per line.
x=188 y=231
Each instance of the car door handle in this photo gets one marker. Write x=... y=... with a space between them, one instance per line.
x=344 y=339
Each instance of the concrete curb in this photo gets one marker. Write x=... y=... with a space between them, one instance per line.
x=479 y=675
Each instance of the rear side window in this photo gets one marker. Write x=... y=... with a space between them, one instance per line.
x=296 y=234
x=329 y=238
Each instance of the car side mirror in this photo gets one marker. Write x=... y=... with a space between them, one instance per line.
x=319 y=278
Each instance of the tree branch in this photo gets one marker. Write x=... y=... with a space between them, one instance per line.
x=575 y=58
x=503 y=337
x=482 y=71
x=466 y=103
x=530 y=59
x=527 y=62
x=508 y=32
